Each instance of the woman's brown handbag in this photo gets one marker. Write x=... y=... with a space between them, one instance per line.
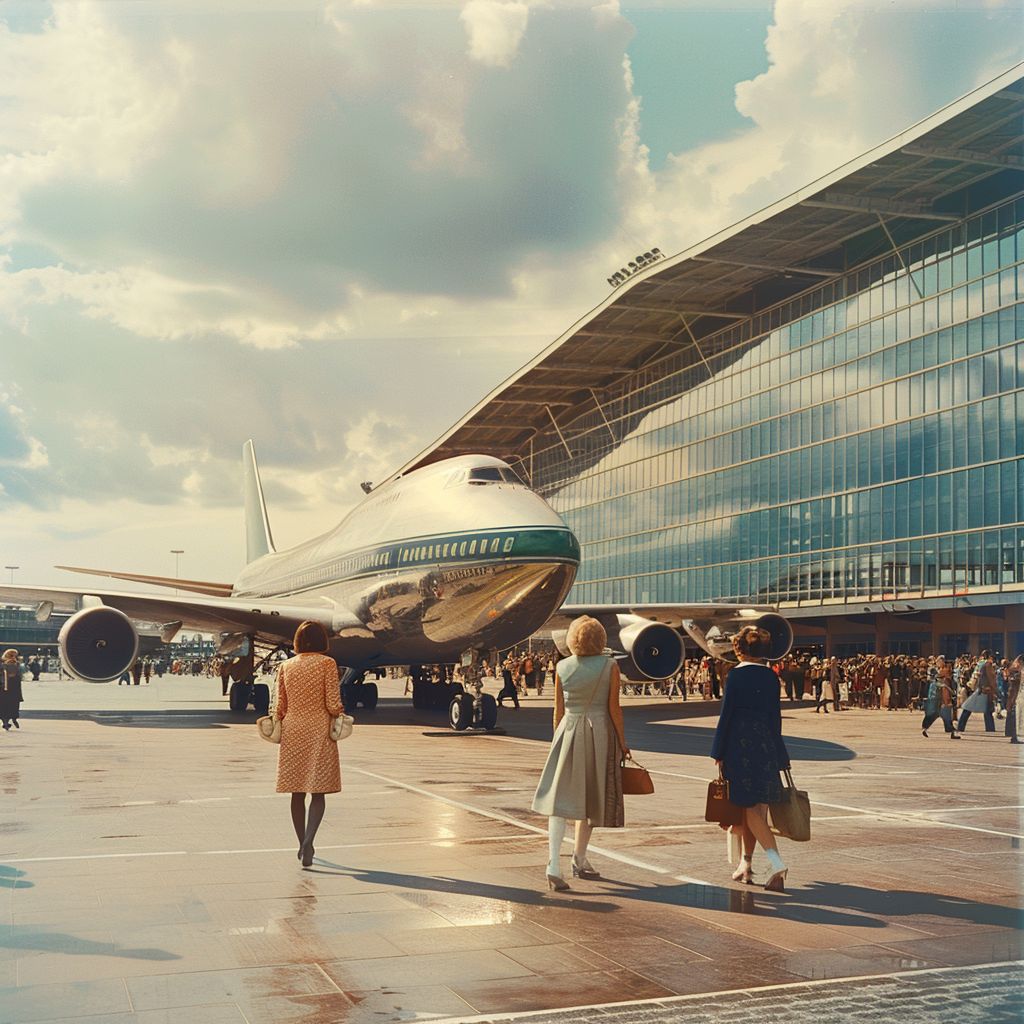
x=636 y=780
x=719 y=808
x=791 y=816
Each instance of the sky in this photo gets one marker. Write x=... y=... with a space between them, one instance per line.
x=334 y=227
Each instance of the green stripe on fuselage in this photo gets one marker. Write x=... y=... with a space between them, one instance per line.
x=438 y=550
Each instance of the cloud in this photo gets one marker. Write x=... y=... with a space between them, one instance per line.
x=495 y=29
x=843 y=76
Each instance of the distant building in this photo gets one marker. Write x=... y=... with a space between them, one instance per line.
x=20 y=630
x=821 y=407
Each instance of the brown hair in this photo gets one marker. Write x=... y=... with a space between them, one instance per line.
x=752 y=642
x=10 y=654
x=311 y=638
x=586 y=636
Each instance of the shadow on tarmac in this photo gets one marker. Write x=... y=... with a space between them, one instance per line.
x=13 y=878
x=650 y=728
x=461 y=887
x=19 y=937
x=832 y=904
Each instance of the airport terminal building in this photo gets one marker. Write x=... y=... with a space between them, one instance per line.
x=821 y=407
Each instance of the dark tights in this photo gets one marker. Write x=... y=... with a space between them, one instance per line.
x=306 y=828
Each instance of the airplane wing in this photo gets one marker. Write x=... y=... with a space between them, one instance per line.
x=670 y=614
x=646 y=636
x=270 y=621
x=190 y=586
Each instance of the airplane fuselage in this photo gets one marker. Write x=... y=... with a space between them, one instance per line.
x=457 y=555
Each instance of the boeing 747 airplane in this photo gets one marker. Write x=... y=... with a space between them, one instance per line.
x=433 y=567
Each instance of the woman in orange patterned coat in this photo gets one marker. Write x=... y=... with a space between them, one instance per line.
x=307 y=698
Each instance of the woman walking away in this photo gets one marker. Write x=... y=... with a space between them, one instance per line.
x=938 y=704
x=748 y=748
x=307 y=698
x=983 y=694
x=582 y=777
x=10 y=689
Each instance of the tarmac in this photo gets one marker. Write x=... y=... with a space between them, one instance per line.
x=149 y=874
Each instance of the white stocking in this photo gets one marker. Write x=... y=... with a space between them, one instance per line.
x=556 y=833
x=579 y=853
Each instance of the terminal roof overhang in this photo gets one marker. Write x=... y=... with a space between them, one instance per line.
x=961 y=159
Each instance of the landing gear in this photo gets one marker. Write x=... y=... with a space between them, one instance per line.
x=239 y=696
x=488 y=711
x=460 y=712
x=357 y=693
x=472 y=707
x=261 y=698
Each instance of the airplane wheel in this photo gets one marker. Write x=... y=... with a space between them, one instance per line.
x=261 y=698
x=460 y=712
x=238 y=696
x=488 y=711
x=370 y=695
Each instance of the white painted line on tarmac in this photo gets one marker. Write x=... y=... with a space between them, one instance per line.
x=906 y=816
x=944 y=761
x=100 y=856
x=657 y=1001
x=903 y=816
x=623 y=858
x=962 y=810
x=432 y=841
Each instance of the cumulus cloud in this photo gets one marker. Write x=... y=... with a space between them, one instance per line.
x=495 y=29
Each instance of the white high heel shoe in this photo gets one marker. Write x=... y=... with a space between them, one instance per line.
x=744 y=873
x=777 y=879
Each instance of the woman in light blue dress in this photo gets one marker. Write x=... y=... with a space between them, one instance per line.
x=582 y=777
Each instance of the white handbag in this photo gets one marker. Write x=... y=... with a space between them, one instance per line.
x=269 y=728
x=341 y=727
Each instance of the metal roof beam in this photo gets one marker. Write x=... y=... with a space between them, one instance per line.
x=875 y=205
x=762 y=265
x=588 y=367
x=544 y=385
x=686 y=310
x=531 y=401
x=621 y=333
x=964 y=156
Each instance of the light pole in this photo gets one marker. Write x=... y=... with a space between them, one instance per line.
x=177 y=552
x=11 y=569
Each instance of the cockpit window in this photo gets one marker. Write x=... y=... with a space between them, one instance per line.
x=485 y=475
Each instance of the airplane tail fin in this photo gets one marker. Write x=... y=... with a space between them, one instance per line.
x=258 y=539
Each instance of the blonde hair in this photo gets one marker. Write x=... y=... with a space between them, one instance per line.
x=752 y=642
x=10 y=654
x=586 y=636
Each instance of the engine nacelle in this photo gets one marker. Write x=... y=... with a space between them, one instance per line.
x=98 y=644
x=653 y=649
x=714 y=633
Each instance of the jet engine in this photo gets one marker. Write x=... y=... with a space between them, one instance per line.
x=653 y=650
x=98 y=644
x=714 y=633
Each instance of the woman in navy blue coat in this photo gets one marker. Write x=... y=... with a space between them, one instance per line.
x=748 y=748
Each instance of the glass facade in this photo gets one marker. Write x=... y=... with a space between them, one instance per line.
x=864 y=440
